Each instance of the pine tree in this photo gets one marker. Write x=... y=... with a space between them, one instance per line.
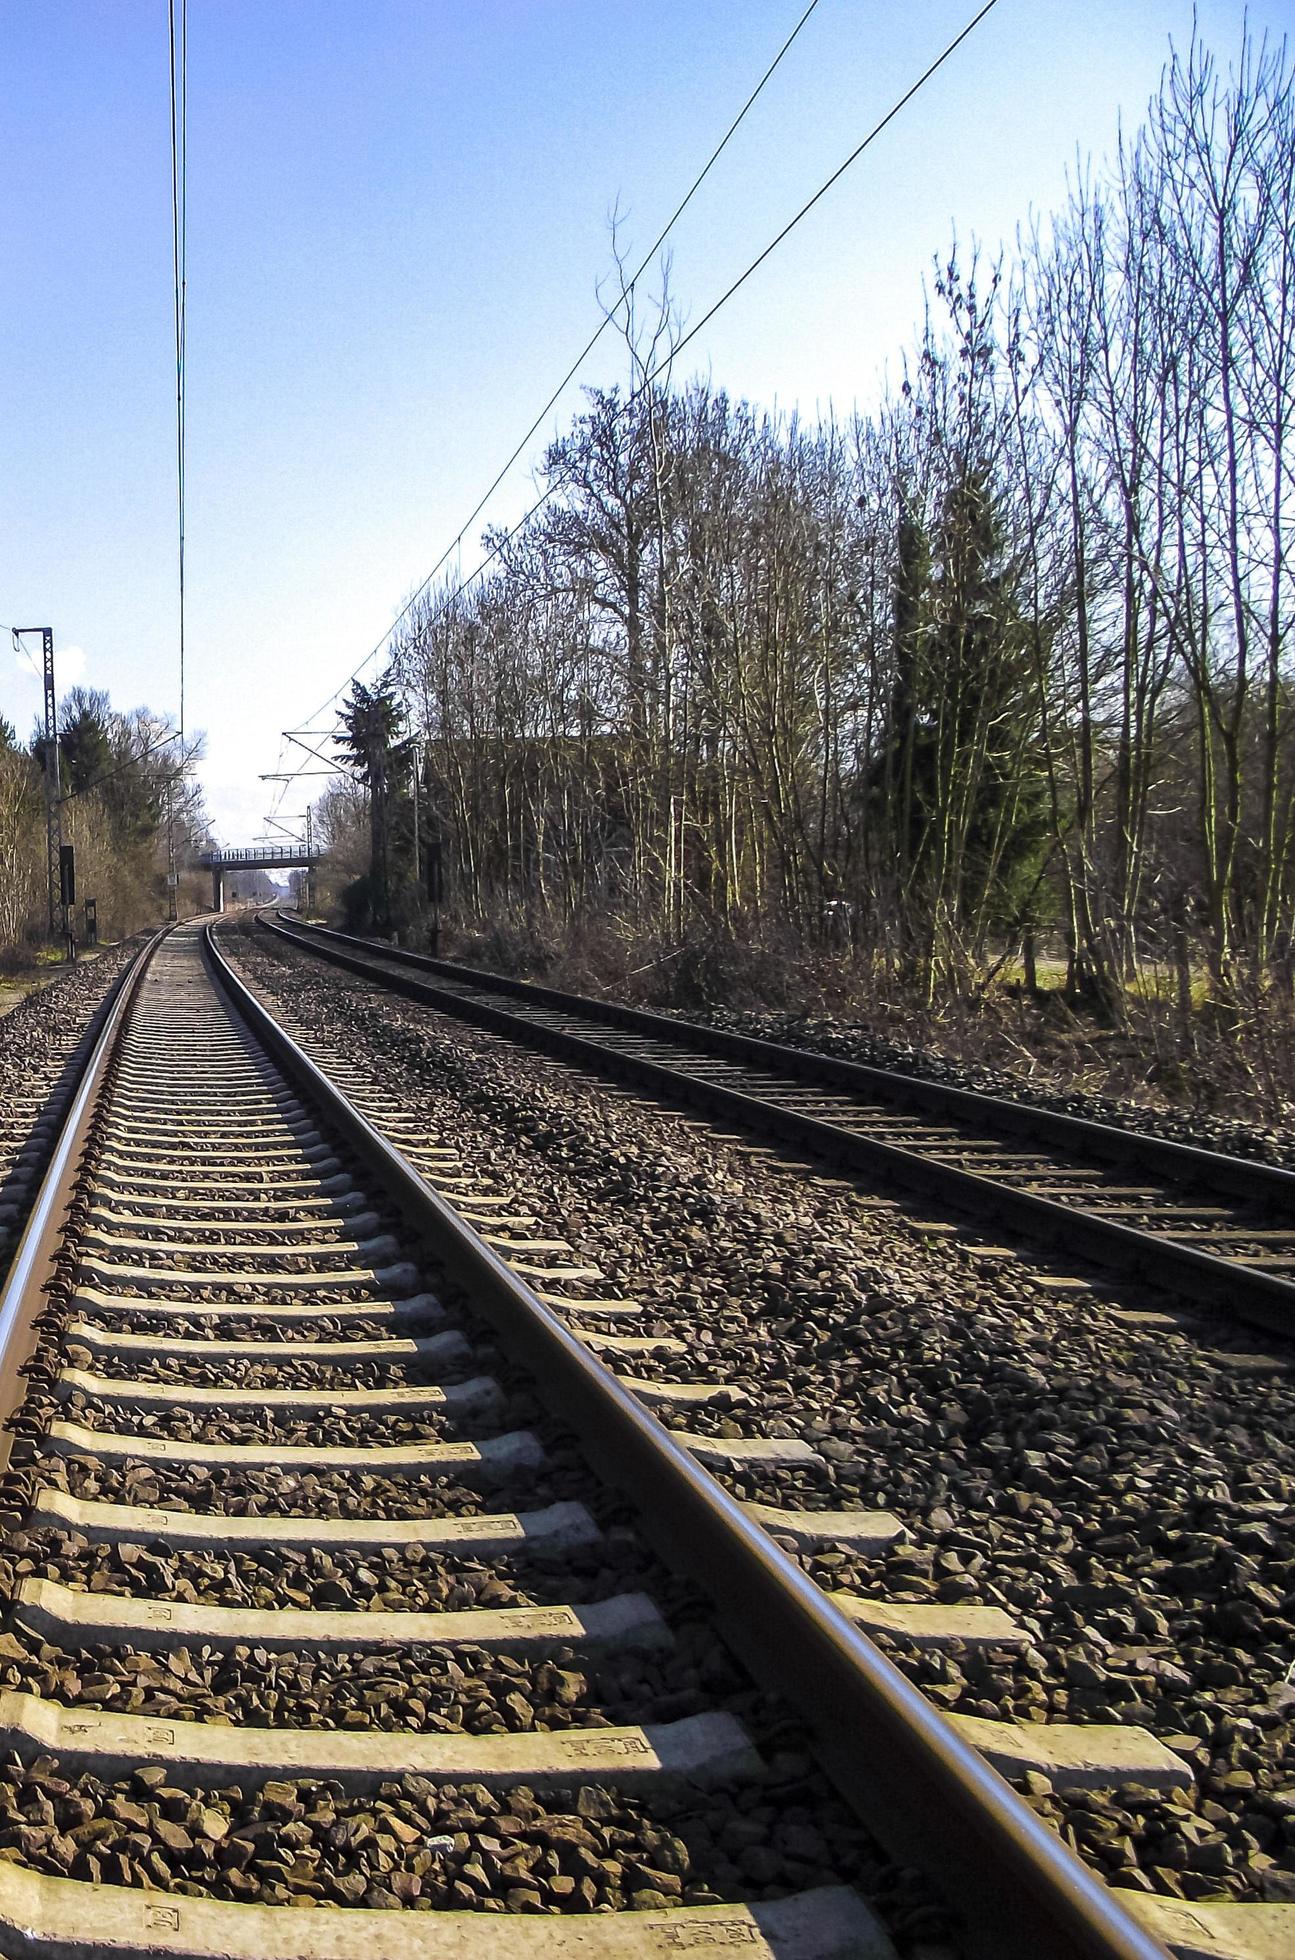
x=373 y=743
x=961 y=773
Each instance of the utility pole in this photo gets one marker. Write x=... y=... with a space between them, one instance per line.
x=310 y=860
x=53 y=788
x=418 y=770
x=172 y=877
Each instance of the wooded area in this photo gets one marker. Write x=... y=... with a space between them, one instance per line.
x=116 y=773
x=1001 y=664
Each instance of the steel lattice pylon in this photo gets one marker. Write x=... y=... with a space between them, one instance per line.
x=53 y=786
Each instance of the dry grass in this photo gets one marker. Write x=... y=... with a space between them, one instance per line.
x=30 y=975
x=1236 y=1062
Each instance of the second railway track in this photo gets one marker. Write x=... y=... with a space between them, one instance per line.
x=1209 y=1225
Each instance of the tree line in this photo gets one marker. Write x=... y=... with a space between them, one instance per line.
x=122 y=782
x=1004 y=662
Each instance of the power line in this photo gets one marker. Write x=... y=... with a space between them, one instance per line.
x=583 y=355
x=501 y=543
x=823 y=189
x=131 y=761
x=159 y=741
x=179 y=255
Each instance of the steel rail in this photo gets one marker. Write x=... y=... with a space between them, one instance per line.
x=929 y=1797
x=1242 y=1176
x=33 y=1262
x=1248 y=1292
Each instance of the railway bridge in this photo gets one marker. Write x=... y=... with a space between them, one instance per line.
x=254 y=857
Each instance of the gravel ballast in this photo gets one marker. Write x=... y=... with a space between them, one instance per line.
x=1125 y=1488
x=39 y=1040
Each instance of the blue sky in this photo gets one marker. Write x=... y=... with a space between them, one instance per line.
x=397 y=215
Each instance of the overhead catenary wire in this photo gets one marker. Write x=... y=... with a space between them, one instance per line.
x=179 y=63
x=504 y=539
x=820 y=193
x=502 y=542
x=608 y=316
x=161 y=740
x=21 y=650
x=130 y=762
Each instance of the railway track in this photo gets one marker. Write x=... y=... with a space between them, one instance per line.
x=1202 y=1223
x=312 y=1603
x=1073 y=1758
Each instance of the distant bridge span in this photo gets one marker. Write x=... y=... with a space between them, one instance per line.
x=253 y=857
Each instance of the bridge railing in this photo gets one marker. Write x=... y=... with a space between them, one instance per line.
x=272 y=854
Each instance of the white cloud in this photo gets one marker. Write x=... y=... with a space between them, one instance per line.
x=69 y=664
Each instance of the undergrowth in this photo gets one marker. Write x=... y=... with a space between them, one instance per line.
x=1239 y=1062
